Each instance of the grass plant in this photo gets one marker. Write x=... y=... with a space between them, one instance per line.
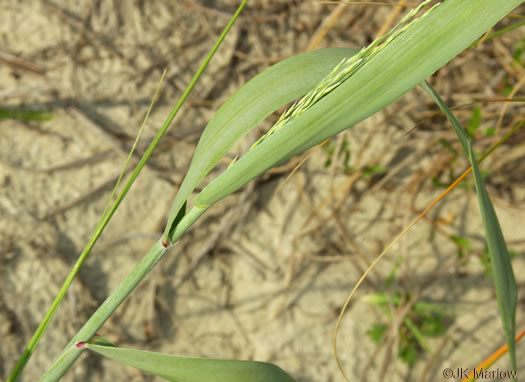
x=339 y=88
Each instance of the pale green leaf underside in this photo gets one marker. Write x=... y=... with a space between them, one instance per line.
x=504 y=281
x=185 y=369
x=254 y=101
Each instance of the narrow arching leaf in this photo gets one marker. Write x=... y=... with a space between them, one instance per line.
x=254 y=101
x=399 y=65
x=460 y=132
x=504 y=281
x=186 y=369
x=503 y=275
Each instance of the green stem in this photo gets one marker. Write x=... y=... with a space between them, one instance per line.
x=70 y=354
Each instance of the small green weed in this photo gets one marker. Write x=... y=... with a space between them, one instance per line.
x=423 y=321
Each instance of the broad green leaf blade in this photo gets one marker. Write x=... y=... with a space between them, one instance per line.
x=504 y=281
x=185 y=369
x=418 y=52
x=254 y=101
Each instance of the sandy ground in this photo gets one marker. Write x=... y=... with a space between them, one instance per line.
x=264 y=273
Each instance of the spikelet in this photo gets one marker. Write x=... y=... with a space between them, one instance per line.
x=344 y=70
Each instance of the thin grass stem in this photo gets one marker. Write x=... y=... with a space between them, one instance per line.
x=109 y=210
x=130 y=155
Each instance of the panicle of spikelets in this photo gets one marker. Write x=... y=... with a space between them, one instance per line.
x=344 y=70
